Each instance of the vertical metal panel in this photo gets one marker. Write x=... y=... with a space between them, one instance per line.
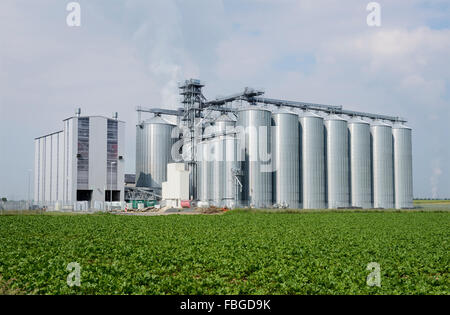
x=257 y=164
x=203 y=172
x=153 y=152
x=41 y=170
x=48 y=169
x=313 y=161
x=360 y=164
x=70 y=159
x=100 y=160
x=121 y=163
x=222 y=126
x=338 y=186
x=217 y=170
x=212 y=147
x=403 y=178
x=286 y=159
x=112 y=154
x=383 y=168
x=61 y=166
x=54 y=163
x=36 y=170
x=83 y=153
x=231 y=191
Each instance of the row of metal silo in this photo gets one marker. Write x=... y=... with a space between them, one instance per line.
x=217 y=163
x=291 y=160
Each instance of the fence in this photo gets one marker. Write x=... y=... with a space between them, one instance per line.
x=81 y=206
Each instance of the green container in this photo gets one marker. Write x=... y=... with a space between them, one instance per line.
x=147 y=203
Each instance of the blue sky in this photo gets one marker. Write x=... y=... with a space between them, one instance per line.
x=133 y=52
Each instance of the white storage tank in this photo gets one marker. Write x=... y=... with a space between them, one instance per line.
x=337 y=165
x=403 y=178
x=286 y=157
x=203 y=172
x=382 y=168
x=313 y=161
x=257 y=162
x=360 y=163
x=153 y=152
x=222 y=126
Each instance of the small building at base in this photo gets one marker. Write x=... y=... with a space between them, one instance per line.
x=176 y=189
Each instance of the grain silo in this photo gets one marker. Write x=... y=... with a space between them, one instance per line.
x=203 y=172
x=337 y=162
x=360 y=163
x=257 y=165
x=286 y=157
x=313 y=161
x=222 y=126
x=382 y=165
x=231 y=191
x=153 y=151
x=326 y=157
x=403 y=178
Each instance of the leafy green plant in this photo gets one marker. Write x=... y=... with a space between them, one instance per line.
x=236 y=253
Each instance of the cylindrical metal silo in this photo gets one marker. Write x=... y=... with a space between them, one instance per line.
x=231 y=192
x=313 y=161
x=153 y=152
x=257 y=164
x=337 y=163
x=286 y=160
x=382 y=165
x=403 y=178
x=217 y=169
x=202 y=172
x=360 y=164
x=222 y=126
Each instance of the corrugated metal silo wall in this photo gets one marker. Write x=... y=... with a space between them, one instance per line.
x=286 y=159
x=153 y=152
x=313 y=162
x=382 y=168
x=257 y=168
x=360 y=165
x=218 y=170
x=231 y=195
x=219 y=165
x=203 y=172
x=337 y=163
x=403 y=167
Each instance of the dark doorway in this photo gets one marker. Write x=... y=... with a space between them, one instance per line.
x=84 y=195
x=115 y=195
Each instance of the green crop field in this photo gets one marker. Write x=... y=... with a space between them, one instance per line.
x=235 y=253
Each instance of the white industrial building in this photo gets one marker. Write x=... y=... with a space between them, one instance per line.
x=82 y=163
x=176 y=189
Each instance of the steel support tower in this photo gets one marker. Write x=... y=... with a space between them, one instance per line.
x=193 y=102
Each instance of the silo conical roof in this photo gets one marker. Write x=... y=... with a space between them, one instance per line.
x=379 y=123
x=358 y=120
x=158 y=120
x=307 y=114
x=335 y=117
x=401 y=126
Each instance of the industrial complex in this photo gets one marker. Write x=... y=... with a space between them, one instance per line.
x=243 y=150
